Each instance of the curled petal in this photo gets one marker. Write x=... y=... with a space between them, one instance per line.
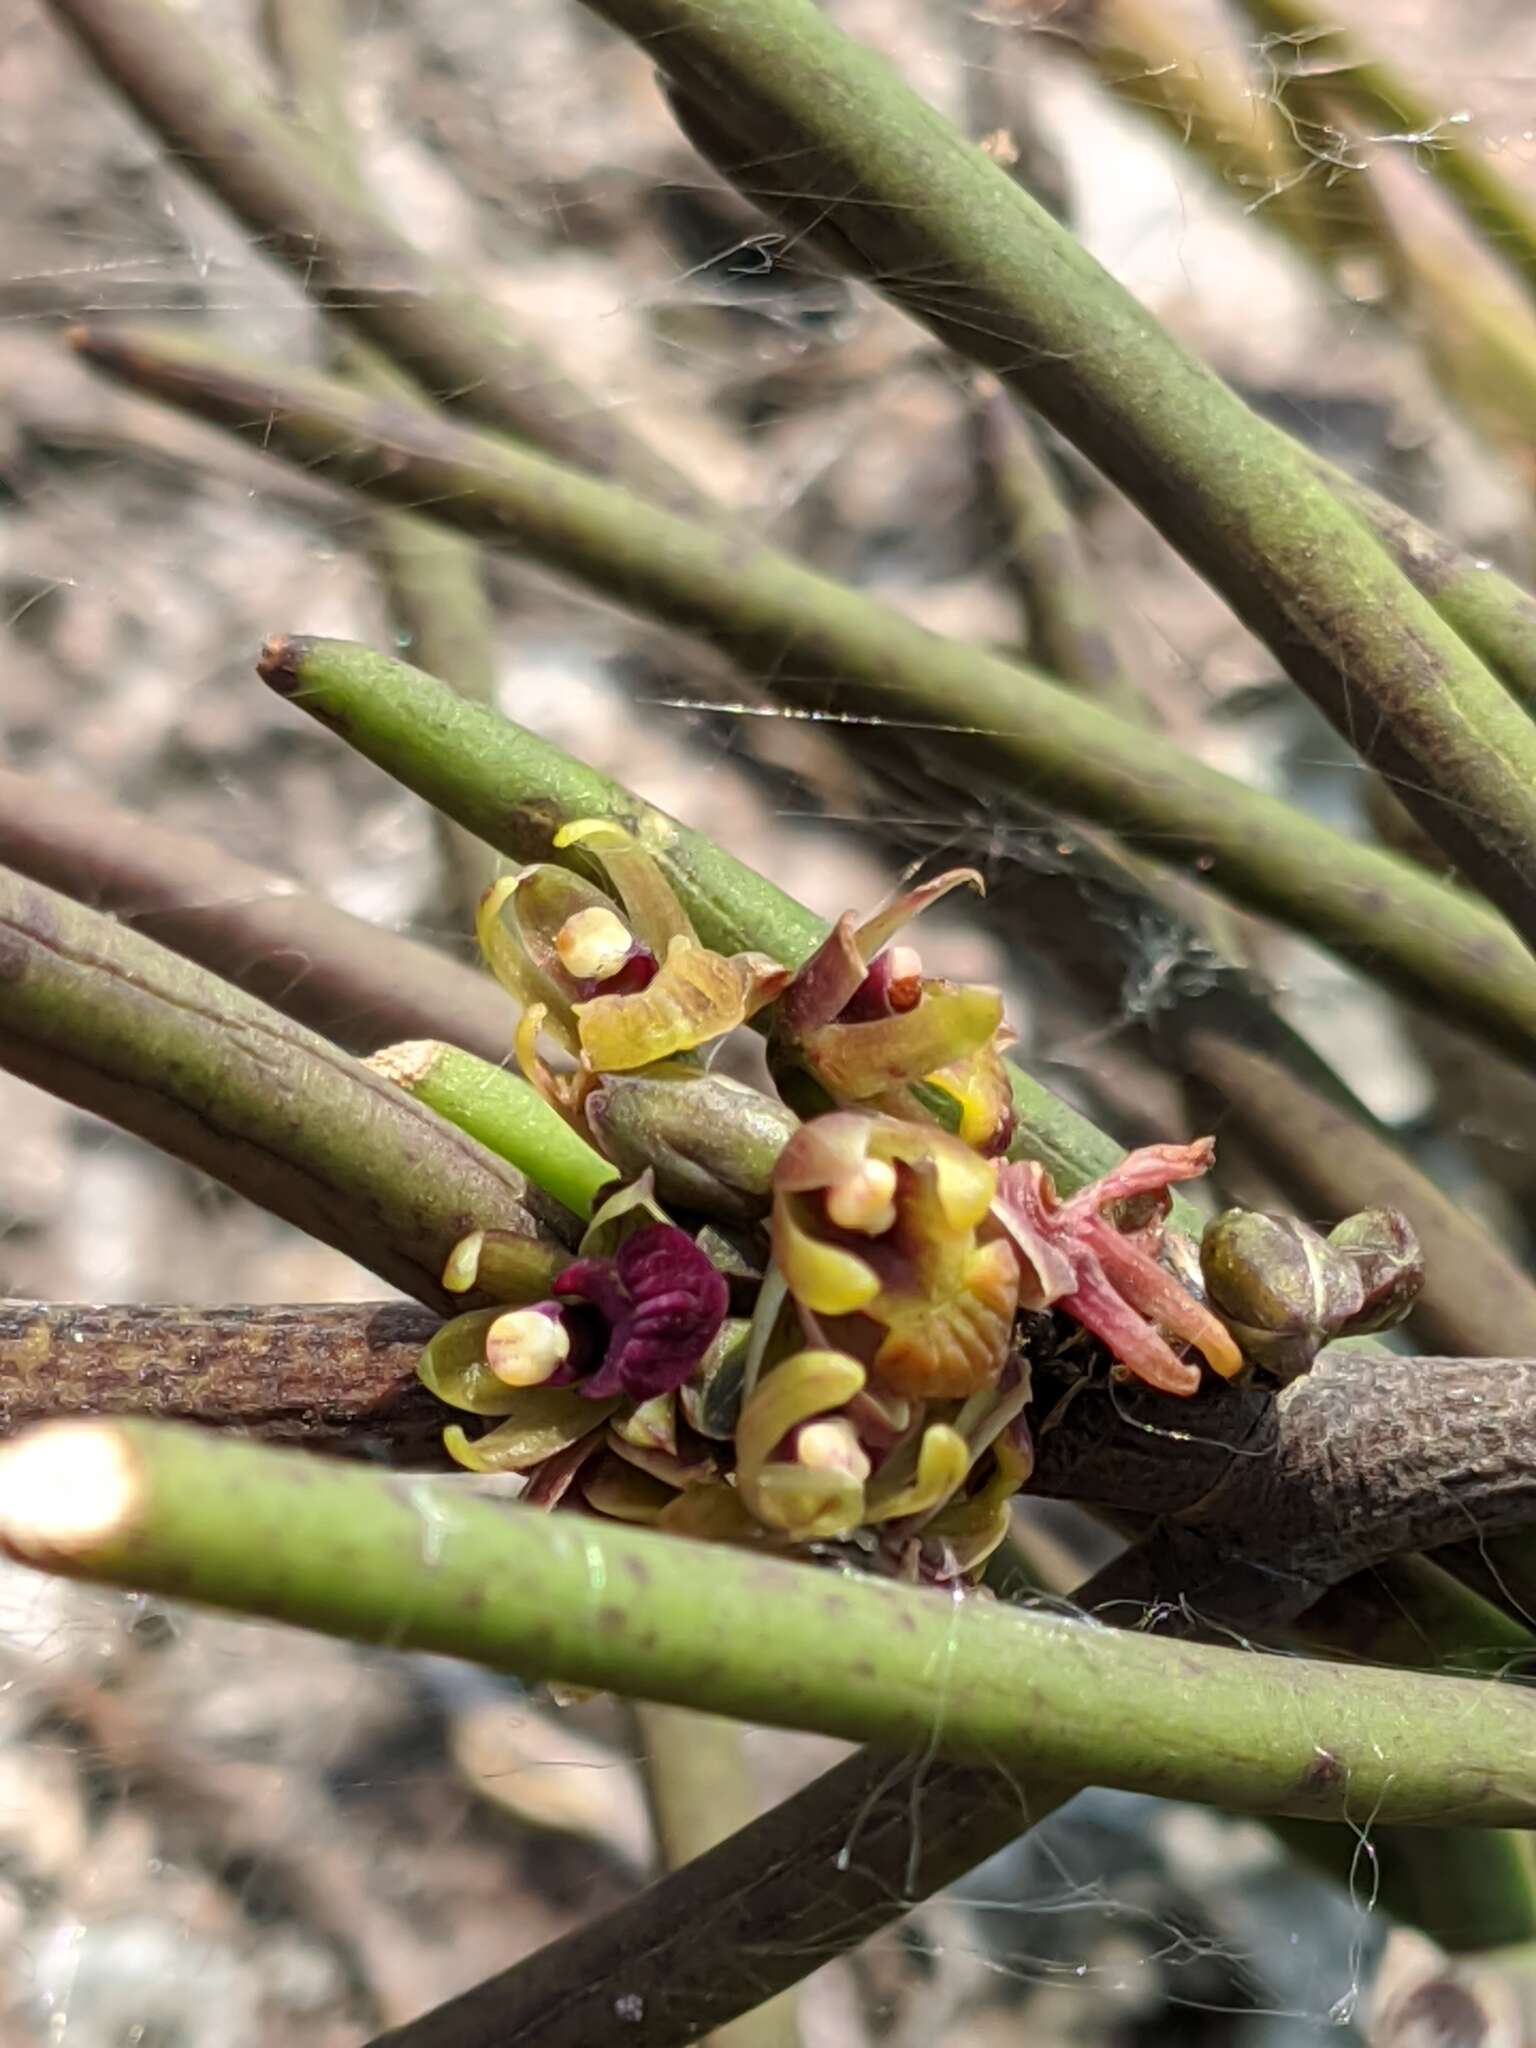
x=1023 y=1208
x=518 y=923
x=826 y=984
x=648 y=897
x=823 y=1277
x=1107 y=1279
x=944 y=1301
x=806 y=1502
x=947 y=1336
x=546 y=1420
x=694 y=996
x=1149 y=1170
x=453 y=1367
x=942 y=1461
x=971 y=1097
x=859 y=1061
x=876 y=931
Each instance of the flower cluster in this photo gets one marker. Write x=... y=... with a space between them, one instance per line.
x=809 y=1317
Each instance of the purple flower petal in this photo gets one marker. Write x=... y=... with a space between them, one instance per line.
x=664 y=1303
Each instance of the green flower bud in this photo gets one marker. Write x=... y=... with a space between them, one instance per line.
x=711 y=1143
x=1385 y=1252
x=1281 y=1289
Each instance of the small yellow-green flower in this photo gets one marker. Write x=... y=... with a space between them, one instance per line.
x=864 y=1023
x=619 y=980
x=881 y=1231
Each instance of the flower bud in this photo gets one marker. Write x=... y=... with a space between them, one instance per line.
x=593 y=944
x=711 y=1143
x=1282 y=1290
x=865 y=1201
x=1384 y=1250
x=831 y=1445
x=527 y=1346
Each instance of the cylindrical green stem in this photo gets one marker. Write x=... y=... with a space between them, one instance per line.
x=426 y=1564
x=838 y=654
x=821 y=132
x=1488 y=609
x=292 y=195
x=118 y=1025
x=515 y=790
x=356 y=983
x=504 y=1113
x=841 y=656
x=1042 y=553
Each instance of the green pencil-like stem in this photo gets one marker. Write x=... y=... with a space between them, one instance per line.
x=984 y=717
x=837 y=654
x=298 y=200
x=118 y=1025
x=515 y=790
x=350 y=980
x=426 y=1564
x=507 y=1116
x=1490 y=611
x=1041 y=552
x=821 y=133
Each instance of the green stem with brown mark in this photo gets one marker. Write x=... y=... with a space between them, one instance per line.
x=889 y=192
x=985 y=717
x=427 y=1564
x=116 y=1024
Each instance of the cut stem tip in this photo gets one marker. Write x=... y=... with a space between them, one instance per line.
x=65 y=1489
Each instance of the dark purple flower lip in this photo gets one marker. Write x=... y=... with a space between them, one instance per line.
x=663 y=1302
x=636 y=973
x=892 y=986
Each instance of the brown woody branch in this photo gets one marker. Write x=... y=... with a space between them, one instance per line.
x=1369 y=1456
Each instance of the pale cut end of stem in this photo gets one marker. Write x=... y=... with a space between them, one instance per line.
x=407 y=1064
x=65 y=1489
